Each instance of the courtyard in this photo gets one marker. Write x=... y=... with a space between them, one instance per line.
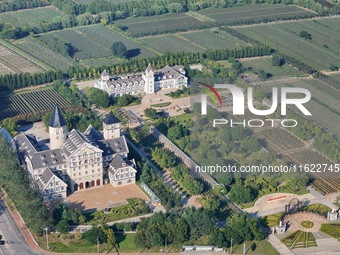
x=106 y=196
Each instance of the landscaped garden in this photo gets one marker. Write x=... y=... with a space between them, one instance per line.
x=332 y=230
x=299 y=239
x=135 y=207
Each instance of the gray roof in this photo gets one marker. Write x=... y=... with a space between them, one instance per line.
x=93 y=135
x=169 y=72
x=118 y=162
x=48 y=158
x=123 y=82
x=26 y=145
x=57 y=119
x=112 y=146
x=45 y=177
x=111 y=119
x=74 y=140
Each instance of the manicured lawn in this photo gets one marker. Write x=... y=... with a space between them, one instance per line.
x=271 y=220
x=256 y=247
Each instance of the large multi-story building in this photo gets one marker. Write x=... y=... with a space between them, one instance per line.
x=76 y=160
x=148 y=82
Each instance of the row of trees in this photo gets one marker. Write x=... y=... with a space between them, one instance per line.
x=16 y=81
x=16 y=184
x=169 y=198
x=174 y=227
x=181 y=173
x=14 y=5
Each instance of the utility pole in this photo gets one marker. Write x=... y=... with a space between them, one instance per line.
x=98 y=244
x=47 y=246
x=231 y=247
x=165 y=245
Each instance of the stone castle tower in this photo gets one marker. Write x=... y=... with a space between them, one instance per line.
x=149 y=79
x=111 y=126
x=57 y=129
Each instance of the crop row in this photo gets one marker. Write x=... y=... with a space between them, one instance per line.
x=44 y=54
x=29 y=102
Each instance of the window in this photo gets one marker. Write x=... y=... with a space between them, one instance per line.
x=85 y=172
x=79 y=174
x=92 y=171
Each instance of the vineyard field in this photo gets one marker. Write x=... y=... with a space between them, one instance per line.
x=30 y=102
x=265 y=64
x=321 y=51
x=156 y=23
x=191 y=20
x=211 y=40
x=324 y=106
x=12 y=61
x=171 y=43
x=32 y=17
x=44 y=54
x=95 y=42
x=250 y=12
x=193 y=41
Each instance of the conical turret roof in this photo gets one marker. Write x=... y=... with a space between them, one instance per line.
x=57 y=119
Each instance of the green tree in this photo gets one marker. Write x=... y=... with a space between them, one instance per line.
x=305 y=35
x=240 y=194
x=118 y=49
x=11 y=126
x=110 y=236
x=62 y=226
x=125 y=100
x=99 y=97
x=150 y=113
x=277 y=60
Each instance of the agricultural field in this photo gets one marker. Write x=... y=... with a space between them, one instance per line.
x=90 y=1
x=30 y=102
x=95 y=42
x=37 y=49
x=264 y=63
x=324 y=106
x=164 y=23
x=31 y=17
x=213 y=39
x=321 y=51
x=193 y=41
x=171 y=43
x=12 y=61
x=286 y=143
x=336 y=77
x=156 y=23
x=250 y=12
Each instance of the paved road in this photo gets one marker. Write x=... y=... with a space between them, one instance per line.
x=15 y=243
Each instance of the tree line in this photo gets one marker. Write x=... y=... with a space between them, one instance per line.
x=14 y=5
x=16 y=81
x=15 y=182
